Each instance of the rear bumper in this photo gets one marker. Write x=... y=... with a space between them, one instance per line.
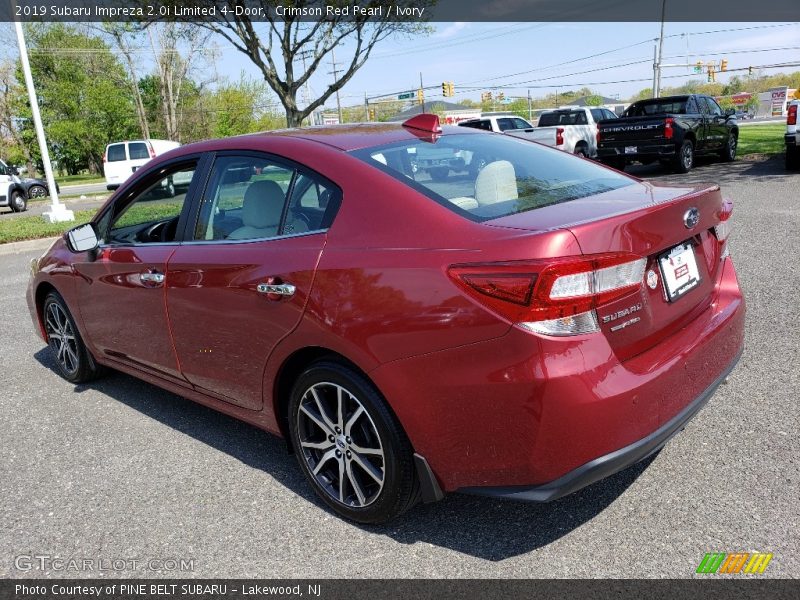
x=610 y=463
x=646 y=150
x=790 y=139
x=527 y=410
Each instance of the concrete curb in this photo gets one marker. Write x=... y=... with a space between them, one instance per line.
x=26 y=246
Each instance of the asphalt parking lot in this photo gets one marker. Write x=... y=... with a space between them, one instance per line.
x=121 y=470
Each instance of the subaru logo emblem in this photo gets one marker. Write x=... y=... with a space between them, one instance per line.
x=691 y=218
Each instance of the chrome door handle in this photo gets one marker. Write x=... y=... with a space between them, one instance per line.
x=279 y=289
x=152 y=277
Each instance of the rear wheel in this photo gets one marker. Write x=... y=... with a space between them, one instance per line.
x=37 y=191
x=684 y=160
x=350 y=446
x=792 y=158
x=581 y=150
x=18 y=202
x=72 y=357
x=728 y=153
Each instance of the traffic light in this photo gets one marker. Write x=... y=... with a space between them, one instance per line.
x=712 y=74
x=486 y=96
x=448 y=89
x=749 y=70
x=723 y=65
x=451 y=87
x=698 y=67
x=501 y=96
x=371 y=114
x=420 y=95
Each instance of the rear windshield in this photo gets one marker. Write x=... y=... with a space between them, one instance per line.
x=646 y=108
x=116 y=153
x=138 y=150
x=570 y=117
x=482 y=176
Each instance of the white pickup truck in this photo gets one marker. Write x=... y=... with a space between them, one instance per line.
x=508 y=124
x=572 y=130
x=792 y=136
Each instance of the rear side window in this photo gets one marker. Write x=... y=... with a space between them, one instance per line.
x=486 y=177
x=138 y=150
x=116 y=153
x=482 y=124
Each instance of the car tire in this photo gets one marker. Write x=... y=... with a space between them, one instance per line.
x=18 y=201
x=72 y=358
x=580 y=150
x=350 y=445
x=37 y=191
x=684 y=159
x=169 y=191
x=728 y=153
x=439 y=173
x=792 y=159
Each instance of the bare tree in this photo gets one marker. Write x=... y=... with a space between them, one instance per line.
x=175 y=46
x=292 y=39
x=122 y=35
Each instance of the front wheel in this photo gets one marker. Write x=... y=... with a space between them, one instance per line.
x=350 y=446
x=728 y=153
x=37 y=191
x=18 y=202
x=684 y=161
x=72 y=357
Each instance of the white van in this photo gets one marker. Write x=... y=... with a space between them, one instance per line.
x=123 y=158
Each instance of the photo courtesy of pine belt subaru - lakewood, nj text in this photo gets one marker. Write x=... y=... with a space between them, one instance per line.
x=519 y=330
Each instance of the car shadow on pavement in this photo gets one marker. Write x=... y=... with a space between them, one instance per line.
x=482 y=527
x=708 y=170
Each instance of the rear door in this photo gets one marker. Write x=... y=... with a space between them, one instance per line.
x=716 y=127
x=241 y=283
x=115 y=165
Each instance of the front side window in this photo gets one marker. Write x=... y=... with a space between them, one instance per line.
x=713 y=108
x=521 y=124
x=153 y=214
x=484 y=177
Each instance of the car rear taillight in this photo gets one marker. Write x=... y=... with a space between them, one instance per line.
x=105 y=157
x=668 y=128
x=152 y=152
x=723 y=229
x=552 y=298
x=791 y=119
x=597 y=137
x=559 y=136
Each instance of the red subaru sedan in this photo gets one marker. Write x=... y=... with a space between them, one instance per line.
x=416 y=309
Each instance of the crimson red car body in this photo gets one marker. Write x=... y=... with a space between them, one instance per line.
x=490 y=406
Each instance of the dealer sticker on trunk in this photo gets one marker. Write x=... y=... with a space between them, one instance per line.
x=679 y=271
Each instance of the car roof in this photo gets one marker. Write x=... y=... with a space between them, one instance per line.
x=342 y=137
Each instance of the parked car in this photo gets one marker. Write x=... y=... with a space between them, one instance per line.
x=792 y=136
x=13 y=193
x=510 y=124
x=672 y=130
x=36 y=188
x=521 y=333
x=122 y=159
x=572 y=130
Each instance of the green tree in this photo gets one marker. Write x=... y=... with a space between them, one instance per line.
x=82 y=91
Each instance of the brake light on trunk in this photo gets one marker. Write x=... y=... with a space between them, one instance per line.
x=791 y=119
x=723 y=229
x=559 y=136
x=597 y=137
x=668 y=131
x=554 y=298
x=152 y=152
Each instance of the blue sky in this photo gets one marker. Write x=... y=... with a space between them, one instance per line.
x=478 y=56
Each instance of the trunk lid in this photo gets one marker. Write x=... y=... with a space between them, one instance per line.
x=647 y=221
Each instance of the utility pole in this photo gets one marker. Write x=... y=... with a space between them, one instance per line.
x=530 y=107
x=366 y=107
x=335 y=74
x=657 y=90
x=422 y=89
x=58 y=212
x=655 y=70
x=306 y=93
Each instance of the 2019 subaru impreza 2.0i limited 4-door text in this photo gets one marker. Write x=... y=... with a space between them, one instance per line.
x=522 y=330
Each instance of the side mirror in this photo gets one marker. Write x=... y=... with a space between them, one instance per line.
x=13 y=170
x=82 y=238
x=730 y=112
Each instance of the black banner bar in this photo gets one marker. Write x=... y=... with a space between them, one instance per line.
x=706 y=587
x=712 y=11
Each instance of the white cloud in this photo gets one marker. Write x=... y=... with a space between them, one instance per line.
x=451 y=30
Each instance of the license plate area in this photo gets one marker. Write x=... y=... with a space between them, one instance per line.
x=679 y=271
x=631 y=149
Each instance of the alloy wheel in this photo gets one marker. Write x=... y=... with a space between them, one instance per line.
x=37 y=191
x=61 y=338
x=687 y=156
x=341 y=445
x=732 y=142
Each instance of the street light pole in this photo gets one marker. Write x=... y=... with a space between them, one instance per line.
x=660 y=50
x=58 y=212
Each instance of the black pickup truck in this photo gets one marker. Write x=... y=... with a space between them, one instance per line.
x=671 y=130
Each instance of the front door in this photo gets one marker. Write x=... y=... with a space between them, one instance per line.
x=241 y=286
x=121 y=288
